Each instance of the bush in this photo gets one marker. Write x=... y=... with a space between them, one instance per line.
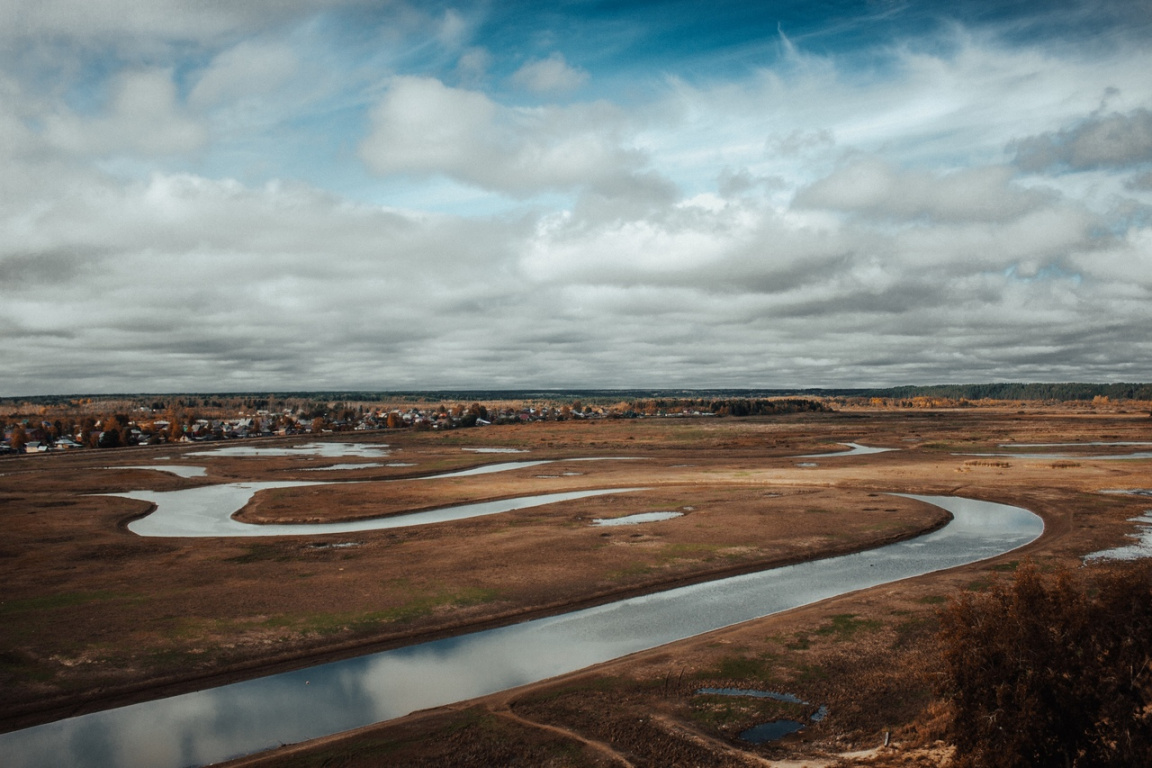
x=1051 y=672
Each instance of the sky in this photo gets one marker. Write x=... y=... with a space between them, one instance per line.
x=342 y=194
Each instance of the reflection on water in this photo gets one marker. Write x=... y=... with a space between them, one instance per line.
x=335 y=467
x=496 y=450
x=642 y=517
x=855 y=449
x=213 y=725
x=207 y=511
x=175 y=469
x=323 y=450
x=765 y=732
x=1065 y=455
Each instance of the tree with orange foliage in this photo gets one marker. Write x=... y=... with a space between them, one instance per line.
x=1051 y=672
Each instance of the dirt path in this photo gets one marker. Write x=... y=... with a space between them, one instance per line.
x=598 y=746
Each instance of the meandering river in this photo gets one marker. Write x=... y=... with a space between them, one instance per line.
x=220 y=723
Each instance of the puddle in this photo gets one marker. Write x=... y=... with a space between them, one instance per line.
x=1065 y=454
x=174 y=469
x=323 y=450
x=336 y=467
x=643 y=517
x=855 y=449
x=777 y=729
x=765 y=732
x=497 y=450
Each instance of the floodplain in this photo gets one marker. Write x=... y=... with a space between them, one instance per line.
x=96 y=616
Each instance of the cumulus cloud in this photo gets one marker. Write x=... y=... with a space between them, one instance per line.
x=194 y=221
x=550 y=75
x=143 y=115
x=873 y=187
x=1102 y=141
x=422 y=127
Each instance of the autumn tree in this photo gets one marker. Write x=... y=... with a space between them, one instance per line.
x=111 y=436
x=1051 y=672
x=19 y=437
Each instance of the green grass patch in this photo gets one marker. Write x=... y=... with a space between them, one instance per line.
x=52 y=602
x=844 y=626
x=414 y=608
x=801 y=643
x=933 y=600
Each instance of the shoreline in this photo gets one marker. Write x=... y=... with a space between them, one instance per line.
x=143 y=691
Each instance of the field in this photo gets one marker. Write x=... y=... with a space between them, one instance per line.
x=95 y=616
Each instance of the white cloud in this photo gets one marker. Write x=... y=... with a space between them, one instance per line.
x=871 y=186
x=550 y=75
x=247 y=69
x=143 y=115
x=145 y=25
x=829 y=223
x=423 y=127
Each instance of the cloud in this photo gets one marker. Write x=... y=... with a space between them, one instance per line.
x=873 y=187
x=1112 y=141
x=247 y=69
x=248 y=205
x=144 y=25
x=143 y=115
x=473 y=65
x=423 y=127
x=550 y=75
x=798 y=141
x=453 y=29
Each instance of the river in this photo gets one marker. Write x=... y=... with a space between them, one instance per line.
x=220 y=723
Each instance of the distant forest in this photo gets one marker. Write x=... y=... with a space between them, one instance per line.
x=1005 y=391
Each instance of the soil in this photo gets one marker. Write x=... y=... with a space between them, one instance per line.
x=95 y=616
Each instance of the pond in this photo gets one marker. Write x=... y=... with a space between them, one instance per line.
x=642 y=517
x=323 y=450
x=220 y=723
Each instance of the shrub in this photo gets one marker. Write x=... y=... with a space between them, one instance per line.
x=1051 y=672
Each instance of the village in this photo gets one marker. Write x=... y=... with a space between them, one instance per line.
x=154 y=426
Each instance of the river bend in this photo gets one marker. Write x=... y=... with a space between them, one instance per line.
x=220 y=723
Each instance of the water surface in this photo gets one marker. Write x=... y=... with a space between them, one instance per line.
x=220 y=723
x=642 y=517
x=179 y=470
x=207 y=511
x=854 y=449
